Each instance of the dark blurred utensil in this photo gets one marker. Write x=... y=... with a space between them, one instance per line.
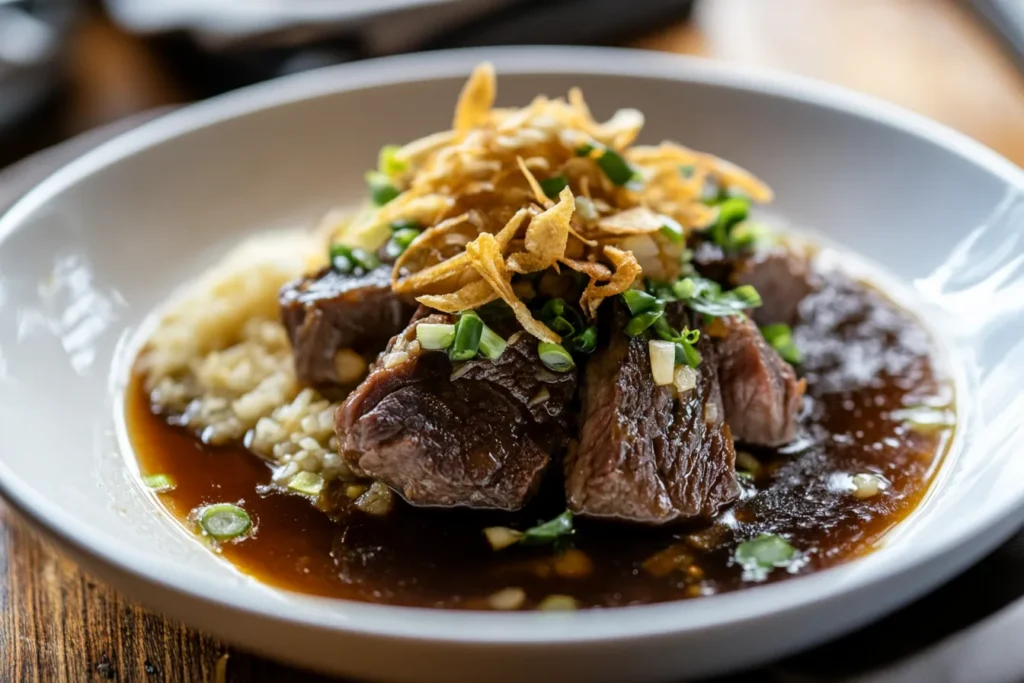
x=32 y=41
x=245 y=48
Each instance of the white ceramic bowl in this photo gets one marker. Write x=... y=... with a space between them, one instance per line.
x=87 y=254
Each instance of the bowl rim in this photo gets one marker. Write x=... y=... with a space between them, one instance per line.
x=539 y=629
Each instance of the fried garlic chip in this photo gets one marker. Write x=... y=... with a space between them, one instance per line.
x=636 y=221
x=485 y=256
x=626 y=271
x=476 y=99
x=546 y=237
x=473 y=295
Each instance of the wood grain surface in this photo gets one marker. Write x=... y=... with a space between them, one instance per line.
x=59 y=624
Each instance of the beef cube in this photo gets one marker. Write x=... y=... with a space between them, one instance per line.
x=760 y=391
x=477 y=434
x=782 y=278
x=328 y=312
x=645 y=453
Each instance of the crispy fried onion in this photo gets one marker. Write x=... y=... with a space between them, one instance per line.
x=480 y=196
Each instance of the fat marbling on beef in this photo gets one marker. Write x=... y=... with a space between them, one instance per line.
x=478 y=434
x=646 y=454
x=329 y=311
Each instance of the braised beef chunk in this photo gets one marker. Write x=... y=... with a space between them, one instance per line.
x=760 y=391
x=782 y=278
x=330 y=311
x=645 y=454
x=478 y=434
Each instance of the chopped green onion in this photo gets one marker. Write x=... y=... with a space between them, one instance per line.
x=388 y=162
x=558 y=308
x=615 y=167
x=584 y=150
x=687 y=170
x=160 y=483
x=639 y=301
x=345 y=259
x=760 y=555
x=549 y=531
x=748 y=295
x=405 y=224
x=382 y=190
x=468 y=331
x=562 y=327
x=491 y=344
x=341 y=258
x=555 y=357
x=553 y=185
x=672 y=230
x=686 y=354
x=435 y=336
x=638 y=323
x=749 y=234
x=706 y=296
x=224 y=521
x=366 y=260
x=308 y=483
x=552 y=309
x=684 y=289
x=585 y=341
x=731 y=211
x=400 y=241
x=780 y=338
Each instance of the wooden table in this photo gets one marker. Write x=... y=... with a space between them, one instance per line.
x=57 y=623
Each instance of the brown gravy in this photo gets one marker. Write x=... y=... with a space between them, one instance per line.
x=864 y=359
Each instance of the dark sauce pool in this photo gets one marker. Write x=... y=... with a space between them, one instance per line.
x=864 y=359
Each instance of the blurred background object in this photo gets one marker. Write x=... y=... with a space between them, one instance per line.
x=70 y=65
x=33 y=41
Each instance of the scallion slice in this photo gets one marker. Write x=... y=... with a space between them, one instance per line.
x=638 y=323
x=400 y=241
x=388 y=162
x=468 y=331
x=780 y=337
x=553 y=185
x=435 y=336
x=639 y=301
x=731 y=211
x=341 y=258
x=615 y=167
x=491 y=344
x=585 y=341
x=549 y=531
x=160 y=483
x=672 y=230
x=405 y=224
x=366 y=260
x=562 y=327
x=224 y=521
x=748 y=295
x=382 y=190
x=684 y=289
x=762 y=554
x=555 y=357
x=307 y=483
x=686 y=354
